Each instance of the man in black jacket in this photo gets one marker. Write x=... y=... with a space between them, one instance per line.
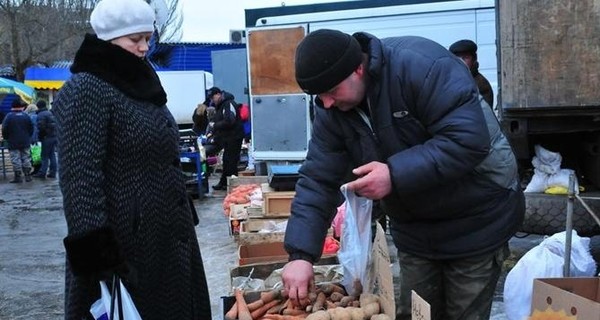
x=17 y=129
x=400 y=120
x=467 y=51
x=47 y=133
x=228 y=132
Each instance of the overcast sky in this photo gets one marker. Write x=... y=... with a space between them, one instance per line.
x=211 y=20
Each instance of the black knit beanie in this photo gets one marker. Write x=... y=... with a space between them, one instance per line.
x=324 y=58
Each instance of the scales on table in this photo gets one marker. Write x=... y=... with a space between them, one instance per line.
x=283 y=177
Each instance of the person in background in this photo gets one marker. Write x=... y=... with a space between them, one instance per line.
x=401 y=121
x=467 y=51
x=31 y=111
x=200 y=118
x=17 y=130
x=228 y=132
x=46 y=123
x=124 y=196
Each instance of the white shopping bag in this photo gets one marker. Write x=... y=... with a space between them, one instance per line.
x=101 y=308
x=356 y=242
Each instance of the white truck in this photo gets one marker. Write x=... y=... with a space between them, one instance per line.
x=281 y=112
x=185 y=90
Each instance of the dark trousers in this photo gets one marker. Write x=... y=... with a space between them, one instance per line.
x=48 y=157
x=231 y=158
x=456 y=289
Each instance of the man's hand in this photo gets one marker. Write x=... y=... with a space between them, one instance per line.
x=298 y=280
x=374 y=182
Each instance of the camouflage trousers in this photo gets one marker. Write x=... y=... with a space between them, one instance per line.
x=21 y=160
x=456 y=289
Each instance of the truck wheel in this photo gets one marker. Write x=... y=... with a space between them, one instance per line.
x=546 y=214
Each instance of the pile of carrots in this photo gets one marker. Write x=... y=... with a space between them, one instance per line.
x=328 y=302
x=238 y=195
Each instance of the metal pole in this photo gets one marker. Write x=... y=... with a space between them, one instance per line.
x=569 y=226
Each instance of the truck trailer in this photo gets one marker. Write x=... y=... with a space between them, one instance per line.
x=548 y=61
x=541 y=58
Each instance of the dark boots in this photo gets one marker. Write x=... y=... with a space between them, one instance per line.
x=27 y=174
x=18 y=178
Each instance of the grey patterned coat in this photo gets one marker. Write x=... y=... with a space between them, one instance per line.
x=125 y=201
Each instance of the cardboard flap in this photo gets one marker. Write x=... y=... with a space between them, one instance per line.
x=420 y=309
x=380 y=274
x=573 y=296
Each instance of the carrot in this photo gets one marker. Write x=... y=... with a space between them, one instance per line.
x=330 y=288
x=232 y=313
x=243 y=312
x=282 y=317
x=269 y=296
x=263 y=310
x=294 y=312
x=320 y=302
x=255 y=305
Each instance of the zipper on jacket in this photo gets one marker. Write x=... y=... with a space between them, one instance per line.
x=366 y=119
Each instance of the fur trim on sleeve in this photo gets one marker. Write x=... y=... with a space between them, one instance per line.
x=94 y=252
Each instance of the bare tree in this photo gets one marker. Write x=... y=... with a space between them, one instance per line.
x=45 y=31
x=170 y=11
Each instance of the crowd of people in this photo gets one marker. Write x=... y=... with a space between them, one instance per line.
x=400 y=120
x=23 y=128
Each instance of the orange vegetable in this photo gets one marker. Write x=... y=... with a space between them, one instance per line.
x=243 y=312
x=263 y=310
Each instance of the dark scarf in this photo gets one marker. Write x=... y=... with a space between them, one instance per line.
x=130 y=74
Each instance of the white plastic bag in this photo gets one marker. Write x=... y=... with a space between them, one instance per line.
x=356 y=242
x=547 y=172
x=545 y=260
x=101 y=308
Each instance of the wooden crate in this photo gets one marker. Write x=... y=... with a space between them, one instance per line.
x=251 y=238
x=249 y=232
x=255 y=225
x=278 y=203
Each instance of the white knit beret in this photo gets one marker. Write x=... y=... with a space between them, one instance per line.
x=116 y=18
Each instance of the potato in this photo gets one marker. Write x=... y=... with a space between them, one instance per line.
x=381 y=316
x=319 y=315
x=371 y=309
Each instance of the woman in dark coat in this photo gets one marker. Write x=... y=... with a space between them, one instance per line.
x=124 y=196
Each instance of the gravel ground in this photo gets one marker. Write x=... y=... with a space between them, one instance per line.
x=32 y=256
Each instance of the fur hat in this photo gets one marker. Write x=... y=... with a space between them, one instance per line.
x=463 y=46
x=325 y=58
x=18 y=103
x=41 y=104
x=212 y=91
x=116 y=18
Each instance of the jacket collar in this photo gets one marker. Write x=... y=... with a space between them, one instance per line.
x=133 y=76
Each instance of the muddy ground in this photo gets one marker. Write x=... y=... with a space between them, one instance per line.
x=32 y=256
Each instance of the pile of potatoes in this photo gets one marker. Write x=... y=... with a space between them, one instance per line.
x=327 y=302
x=332 y=303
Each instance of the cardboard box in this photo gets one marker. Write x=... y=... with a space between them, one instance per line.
x=262 y=270
x=278 y=203
x=255 y=225
x=249 y=231
x=235 y=226
x=233 y=182
x=579 y=297
x=262 y=252
x=239 y=211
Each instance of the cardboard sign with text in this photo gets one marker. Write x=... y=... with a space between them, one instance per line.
x=421 y=310
x=381 y=281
